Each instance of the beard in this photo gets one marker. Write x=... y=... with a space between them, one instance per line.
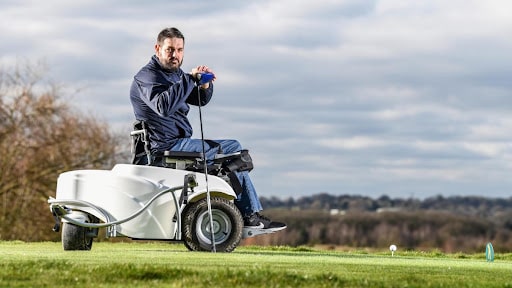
x=172 y=65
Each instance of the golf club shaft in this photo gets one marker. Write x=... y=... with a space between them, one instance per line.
x=208 y=198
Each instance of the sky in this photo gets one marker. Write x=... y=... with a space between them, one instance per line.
x=358 y=97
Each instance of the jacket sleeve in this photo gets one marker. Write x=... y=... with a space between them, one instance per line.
x=204 y=94
x=159 y=95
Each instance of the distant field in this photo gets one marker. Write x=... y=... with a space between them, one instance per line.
x=171 y=265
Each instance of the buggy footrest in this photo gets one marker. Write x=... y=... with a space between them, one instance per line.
x=248 y=231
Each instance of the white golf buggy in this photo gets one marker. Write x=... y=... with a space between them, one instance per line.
x=157 y=197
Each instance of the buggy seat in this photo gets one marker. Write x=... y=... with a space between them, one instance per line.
x=222 y=164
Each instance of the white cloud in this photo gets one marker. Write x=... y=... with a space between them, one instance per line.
x=352 y=143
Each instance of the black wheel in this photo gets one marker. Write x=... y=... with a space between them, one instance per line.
x=227 y=225
x=76 y=237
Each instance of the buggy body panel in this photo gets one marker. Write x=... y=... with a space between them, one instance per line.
x=124 y=190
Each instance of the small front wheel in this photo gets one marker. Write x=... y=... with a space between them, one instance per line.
x=76 y=237
x=227 y=225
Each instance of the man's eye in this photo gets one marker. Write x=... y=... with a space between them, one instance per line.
x=170 y=51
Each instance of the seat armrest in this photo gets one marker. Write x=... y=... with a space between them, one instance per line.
x=183 y=154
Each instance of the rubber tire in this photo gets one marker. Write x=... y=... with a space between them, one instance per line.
x=75 y=237
x=228 y=224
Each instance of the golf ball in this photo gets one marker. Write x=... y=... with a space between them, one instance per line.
x=392 y=248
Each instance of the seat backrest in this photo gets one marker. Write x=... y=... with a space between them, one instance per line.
x=141 y=152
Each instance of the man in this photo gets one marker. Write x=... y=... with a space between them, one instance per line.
x=161 y=94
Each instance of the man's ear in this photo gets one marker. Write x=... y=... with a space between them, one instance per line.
x=157 y=47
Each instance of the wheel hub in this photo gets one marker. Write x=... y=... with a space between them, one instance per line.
x=216 y=226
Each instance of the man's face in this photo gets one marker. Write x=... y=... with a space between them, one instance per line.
x=170 y=53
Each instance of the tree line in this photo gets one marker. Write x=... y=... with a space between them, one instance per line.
x=464 y=205
x=448 y=224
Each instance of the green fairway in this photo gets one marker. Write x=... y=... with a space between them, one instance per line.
x=171 y=265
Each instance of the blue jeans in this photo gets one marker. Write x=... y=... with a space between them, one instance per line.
x=247 y=202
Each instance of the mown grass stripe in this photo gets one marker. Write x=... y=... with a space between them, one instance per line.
x=157 y=264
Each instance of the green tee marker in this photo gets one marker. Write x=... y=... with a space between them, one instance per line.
x=489 y=252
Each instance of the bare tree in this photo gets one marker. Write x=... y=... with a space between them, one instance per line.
x=40 y=137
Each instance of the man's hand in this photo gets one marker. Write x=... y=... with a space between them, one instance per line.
x=202 y=69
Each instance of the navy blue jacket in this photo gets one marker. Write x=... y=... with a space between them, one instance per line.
x=161 y=98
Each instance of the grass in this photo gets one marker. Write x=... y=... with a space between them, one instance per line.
x=158 y=264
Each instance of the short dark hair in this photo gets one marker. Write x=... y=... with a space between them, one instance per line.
x=169 y=33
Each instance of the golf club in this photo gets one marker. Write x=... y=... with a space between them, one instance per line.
x=205 y=78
